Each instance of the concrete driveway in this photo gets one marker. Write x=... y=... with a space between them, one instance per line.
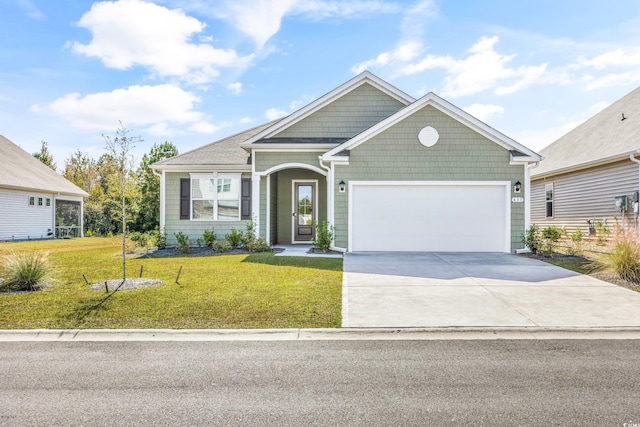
x=477 y=290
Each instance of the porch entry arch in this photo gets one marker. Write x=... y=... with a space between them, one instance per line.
x=294 y=191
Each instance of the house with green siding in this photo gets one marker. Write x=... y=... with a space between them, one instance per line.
x=387 y=171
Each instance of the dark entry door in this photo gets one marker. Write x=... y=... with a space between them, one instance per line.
x=304 y=211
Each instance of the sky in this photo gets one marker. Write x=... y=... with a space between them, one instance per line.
x=193 y=72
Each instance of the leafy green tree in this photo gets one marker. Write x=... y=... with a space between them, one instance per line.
x=45 y=156
x=149 y=186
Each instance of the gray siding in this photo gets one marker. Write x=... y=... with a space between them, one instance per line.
x=20 y=221
x=460 y=155
x=585 y=194
x=193 y=229
x=273 y=210
x=346 y=116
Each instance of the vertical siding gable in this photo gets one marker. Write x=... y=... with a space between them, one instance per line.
x=346 y=116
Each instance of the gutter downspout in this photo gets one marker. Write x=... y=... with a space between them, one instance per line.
x=633 y=159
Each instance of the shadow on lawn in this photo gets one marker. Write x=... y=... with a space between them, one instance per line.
x=332 y=264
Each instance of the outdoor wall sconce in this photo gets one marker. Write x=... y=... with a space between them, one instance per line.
x=342 y=186
x=517 y=186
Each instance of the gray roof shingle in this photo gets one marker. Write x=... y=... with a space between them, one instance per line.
x=21 y=171
x=603 y=137
x=226 y=151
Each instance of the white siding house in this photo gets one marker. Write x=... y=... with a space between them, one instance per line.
x=30 y=196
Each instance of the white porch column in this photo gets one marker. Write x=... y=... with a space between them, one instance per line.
x=255 y=201
x=162 y=201
x=81 y=216
x=527 y=197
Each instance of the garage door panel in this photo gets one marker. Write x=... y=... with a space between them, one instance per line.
x=470 y=218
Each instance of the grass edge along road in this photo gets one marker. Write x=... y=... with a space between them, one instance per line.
x=218 y=291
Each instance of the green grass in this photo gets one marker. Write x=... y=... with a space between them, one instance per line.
x=228 y=291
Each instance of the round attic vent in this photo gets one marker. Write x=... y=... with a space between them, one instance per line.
x=428 y=136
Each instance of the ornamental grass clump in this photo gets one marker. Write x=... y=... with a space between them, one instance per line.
x=624 y=258
x=24 y=271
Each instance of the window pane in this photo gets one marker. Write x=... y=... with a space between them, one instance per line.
x=228 y=189
x=39 y=201
x=202 y=188
x=32 y=201
x=549 y=209
x=228 y=210
x=202 y=209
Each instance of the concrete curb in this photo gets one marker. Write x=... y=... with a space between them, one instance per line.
x=355 y=334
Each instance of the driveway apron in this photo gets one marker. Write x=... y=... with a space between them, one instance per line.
x=477 y=290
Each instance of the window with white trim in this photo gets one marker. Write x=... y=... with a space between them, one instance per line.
x=32 y=201
x=215 y=197
x=548 y=195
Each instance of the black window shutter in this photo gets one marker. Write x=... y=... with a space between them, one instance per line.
x=185 y=198
x=245 y=212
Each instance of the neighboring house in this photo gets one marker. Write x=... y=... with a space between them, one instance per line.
x=585 y=170
x=389 y=172
x=35 y=201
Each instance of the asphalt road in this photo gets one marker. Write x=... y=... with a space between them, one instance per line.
x=332 y=383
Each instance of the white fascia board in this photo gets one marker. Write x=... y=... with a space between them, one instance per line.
x=328 y=98
x=204 y=168
x=586 y=165
x=320 y=148
x=336 y=160
x=445 y=107
x=42 y=190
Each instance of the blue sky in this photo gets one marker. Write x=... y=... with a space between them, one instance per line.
x=192 y=72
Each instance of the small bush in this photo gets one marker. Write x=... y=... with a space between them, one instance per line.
x=208 y=237
x=532 y=238
x=550 y=237
x=624 y=258
x=576 y=242
x=234 y=238
x=602 y=232
x=183 y=246
x=220 y=246
x=24 y=271
x=159 y=238
x=140 y=239
x=258 y=244
x=88 y=233
x=324 y=236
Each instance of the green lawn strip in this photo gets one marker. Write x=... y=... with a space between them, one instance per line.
x=229 y=291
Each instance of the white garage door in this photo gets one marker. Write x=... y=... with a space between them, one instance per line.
x=434 y=217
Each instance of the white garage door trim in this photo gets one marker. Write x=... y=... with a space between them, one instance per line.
x=506 y=185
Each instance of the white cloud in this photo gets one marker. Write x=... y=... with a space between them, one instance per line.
x=403 y=53
x=484 y=112
x=137 y=105
x=246 y=120
x=614 y=58
x=274 y=113
x=261 y=19
x=610 y=80
x=235 y=88
x=31 y=9
x=482 y=70
x=161 y=41
x=205 y=127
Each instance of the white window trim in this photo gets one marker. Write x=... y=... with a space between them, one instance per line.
x=216 y=176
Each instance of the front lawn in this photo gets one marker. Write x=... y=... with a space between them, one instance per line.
x=228 y=291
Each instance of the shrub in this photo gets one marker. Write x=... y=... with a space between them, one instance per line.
x=624 y=258
x=550 y=236
x=258 y=244
x=234 y=238
x=159 y=238
x=602 y=232
x=532 y=238
x=220 y=246
x=576 y=242
x=183 y=245
x=140 y=239
x=208 y=237
x=88 y=233
x=24 y=271
x=324 y=236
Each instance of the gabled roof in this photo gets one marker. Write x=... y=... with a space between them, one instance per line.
x=225 y=152
x=604 y=137
x=19 y=170
x=523 y=153
x=357 y=81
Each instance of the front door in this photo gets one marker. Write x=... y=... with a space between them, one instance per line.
x=304 y=215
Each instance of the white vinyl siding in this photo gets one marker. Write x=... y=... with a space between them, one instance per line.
x=19 y=219
x=583 y=195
